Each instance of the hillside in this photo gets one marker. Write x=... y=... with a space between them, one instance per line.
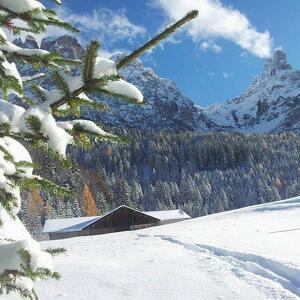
x=251 y=253
x=199 y=173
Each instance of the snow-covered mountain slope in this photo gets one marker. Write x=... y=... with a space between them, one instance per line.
x=270 y=104
x=165 y=106
x=250 y=253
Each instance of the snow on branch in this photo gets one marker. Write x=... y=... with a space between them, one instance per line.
x=33 y=13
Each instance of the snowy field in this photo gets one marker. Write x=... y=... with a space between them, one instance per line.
x=251 y=253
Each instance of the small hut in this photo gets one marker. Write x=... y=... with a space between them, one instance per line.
x=122 y=218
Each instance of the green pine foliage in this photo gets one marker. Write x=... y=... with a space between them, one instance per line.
x=10 y=82
x=35 y=23
x=5 y=130
x=89 y=61
x=41 y=183
x=39 y=93
x=61 y=84
x=56 y=251
x=10 y=276
x=34 y=123
x=53 y=60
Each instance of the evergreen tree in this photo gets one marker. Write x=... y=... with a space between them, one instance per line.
x=121 y=192
x=279 y=167
x=163 y=195
x=136 y=193
x=102 y=204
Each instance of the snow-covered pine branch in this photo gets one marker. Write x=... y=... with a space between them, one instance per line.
x=21 y=259
x=117 y=88
x=99 y=75
x=36 y=16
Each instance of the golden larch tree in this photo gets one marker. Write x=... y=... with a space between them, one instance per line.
x=35 y=204
x=89 y=205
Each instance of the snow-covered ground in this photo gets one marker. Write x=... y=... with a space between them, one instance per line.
x=250 y=253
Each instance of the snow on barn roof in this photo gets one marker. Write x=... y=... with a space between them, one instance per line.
x=165 y=215
x=68 y=224
x=79 y=223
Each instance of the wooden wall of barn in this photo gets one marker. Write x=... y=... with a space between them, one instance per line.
x=119 y=220
x=122 y=219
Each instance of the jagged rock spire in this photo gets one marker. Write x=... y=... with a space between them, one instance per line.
x=29 y=43
x=68 y=46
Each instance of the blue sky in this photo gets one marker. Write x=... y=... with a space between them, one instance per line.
x=212 y=61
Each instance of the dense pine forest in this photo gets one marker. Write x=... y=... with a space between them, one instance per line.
x=199 y=173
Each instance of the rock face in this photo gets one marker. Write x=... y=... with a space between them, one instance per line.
x=270 y=104
x=66 y=45
x=165 y=106
x=29 y=42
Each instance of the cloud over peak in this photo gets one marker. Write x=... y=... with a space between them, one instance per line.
x=218 y=21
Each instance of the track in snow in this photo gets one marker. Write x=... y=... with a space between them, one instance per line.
x=264 y=273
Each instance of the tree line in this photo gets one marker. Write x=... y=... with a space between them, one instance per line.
x=201 y=173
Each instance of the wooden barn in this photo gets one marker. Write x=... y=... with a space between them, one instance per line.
x=120 y=219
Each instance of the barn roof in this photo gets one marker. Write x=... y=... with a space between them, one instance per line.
x=68 y=224
x=165 y=215
x=79 y=223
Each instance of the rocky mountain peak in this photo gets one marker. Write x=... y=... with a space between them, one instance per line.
x=29 y=42
x=278 y=62
x=165 y=106
x=68 y=46
x=270 y=104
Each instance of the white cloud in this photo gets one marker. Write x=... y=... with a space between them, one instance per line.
x=279 y=48
x=101 y=24
x=104 y=24
x=210 y=45
x=227 y=75
x=108 y=54
x=218 y=21
x=244 y=54
x=170 y=40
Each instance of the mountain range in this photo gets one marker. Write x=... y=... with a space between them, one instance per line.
x=201 y=160
x=270 y=104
